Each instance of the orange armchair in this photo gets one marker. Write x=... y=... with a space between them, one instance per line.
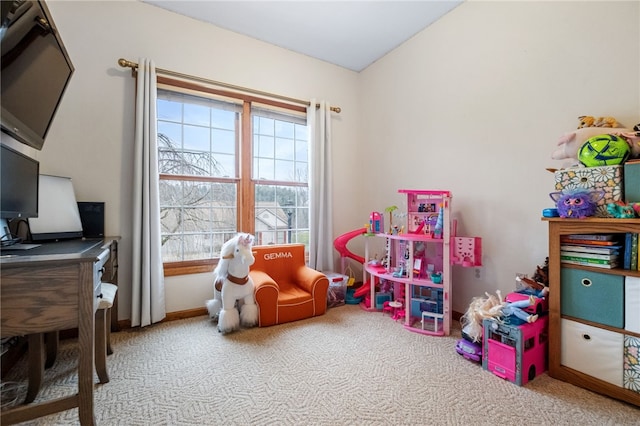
x=286 y=289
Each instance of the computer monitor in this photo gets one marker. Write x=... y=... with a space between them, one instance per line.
x=18 y=185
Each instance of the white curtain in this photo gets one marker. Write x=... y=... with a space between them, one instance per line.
x=321 y=223
x=147 y=301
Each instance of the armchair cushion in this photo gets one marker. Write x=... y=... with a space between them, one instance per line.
x=286 y=289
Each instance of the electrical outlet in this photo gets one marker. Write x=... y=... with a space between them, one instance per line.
x=478 y=273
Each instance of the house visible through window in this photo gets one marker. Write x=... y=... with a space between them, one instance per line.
x=227 y=165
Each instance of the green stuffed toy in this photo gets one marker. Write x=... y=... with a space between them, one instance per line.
x=621 y=210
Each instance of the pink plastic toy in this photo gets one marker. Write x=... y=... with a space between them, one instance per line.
x=340 y=244
x=376 y=223
x=515 y=353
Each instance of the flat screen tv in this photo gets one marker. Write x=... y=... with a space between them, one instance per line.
x=35 y=70
x=18 y=185
x=58 y=213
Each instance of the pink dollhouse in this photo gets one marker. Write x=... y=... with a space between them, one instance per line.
x=419 y=259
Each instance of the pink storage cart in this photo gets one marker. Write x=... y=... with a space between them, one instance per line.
x=515 y=353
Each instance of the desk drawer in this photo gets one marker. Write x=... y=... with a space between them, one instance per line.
x=110 y=270
x=593 y=296
x=98 y=271
x=37 y=300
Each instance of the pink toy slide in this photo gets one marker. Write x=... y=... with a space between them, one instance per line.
x=340 y=244
x=363 y=290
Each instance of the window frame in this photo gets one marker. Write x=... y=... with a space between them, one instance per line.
x=245 y=183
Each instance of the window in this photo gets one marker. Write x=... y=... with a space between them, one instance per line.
x=215 y=181
x=281 y=173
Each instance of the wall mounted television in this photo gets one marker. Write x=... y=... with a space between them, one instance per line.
x=18 y=185
x=35 y=70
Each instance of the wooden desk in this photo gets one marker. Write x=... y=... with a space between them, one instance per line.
x=48 y=292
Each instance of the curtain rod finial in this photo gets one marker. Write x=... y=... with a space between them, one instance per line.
x=126 y=64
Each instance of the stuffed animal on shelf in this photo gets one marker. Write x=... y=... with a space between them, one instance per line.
x=531 y=284
x=569 y=144
x=541 y=275
x=621 y=210
x=632 y=138
x=538 y=283
x=577 y=203
x=589 y=121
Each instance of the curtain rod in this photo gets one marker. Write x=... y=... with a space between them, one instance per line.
x=129 y=64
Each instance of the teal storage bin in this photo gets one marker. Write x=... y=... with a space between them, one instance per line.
x=592 y=296
x=632 y=181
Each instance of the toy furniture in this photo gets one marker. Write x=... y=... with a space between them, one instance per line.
x=434 y=318
x=386 y=307
x=398 y=309
x=595 y=352
x=515 y=353
x=381 y=298
x=413 y=256
x=399 y=315
x=418 y=261
x=286 y=289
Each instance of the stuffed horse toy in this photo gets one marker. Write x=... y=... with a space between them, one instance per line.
x=232 y=284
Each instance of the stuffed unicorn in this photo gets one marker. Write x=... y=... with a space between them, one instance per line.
x=232 y=284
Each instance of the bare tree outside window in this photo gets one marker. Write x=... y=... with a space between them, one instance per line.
x=209 y=174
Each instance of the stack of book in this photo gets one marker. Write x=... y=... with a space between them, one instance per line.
x=595 y=250
x=631 y=258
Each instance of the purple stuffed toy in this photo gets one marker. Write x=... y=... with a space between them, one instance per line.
x=577 y=203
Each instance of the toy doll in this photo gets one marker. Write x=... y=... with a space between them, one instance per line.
x=493 y=307
x=515 y=309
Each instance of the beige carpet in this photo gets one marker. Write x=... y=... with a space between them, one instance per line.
x=348 y=367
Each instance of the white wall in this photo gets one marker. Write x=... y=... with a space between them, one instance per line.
x=91 y=138
x=473 y=104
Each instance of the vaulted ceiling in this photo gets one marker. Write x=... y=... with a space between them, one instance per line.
x=350 y=34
